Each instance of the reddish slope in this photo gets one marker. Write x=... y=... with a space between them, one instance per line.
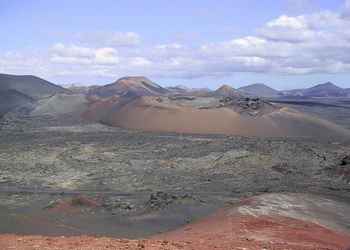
x=154 y=114
x=272 y=221
x=220 y=231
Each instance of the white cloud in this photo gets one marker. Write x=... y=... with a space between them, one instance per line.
x=73 y=54
x=288 y=22
x=72 y=51
x=106 y=56
x=303 y=44
x=13 y=62
x=316 y=43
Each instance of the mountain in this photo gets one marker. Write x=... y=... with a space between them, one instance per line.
x=31 y=86
x=131 y=86
x=10 y=99
x=16 y=91
x=327 y=89
x=226 y=90
x=259 y=89
x=347 y=91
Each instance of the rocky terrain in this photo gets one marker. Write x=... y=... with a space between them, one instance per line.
x=63 y=172
x=137 y=174
x=272 y=221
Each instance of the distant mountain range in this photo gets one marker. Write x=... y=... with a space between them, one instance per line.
x=142 y=86
x=19 y=90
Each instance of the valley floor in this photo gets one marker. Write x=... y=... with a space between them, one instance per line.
x=67 y=179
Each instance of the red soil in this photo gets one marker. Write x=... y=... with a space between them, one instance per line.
x=222 y=230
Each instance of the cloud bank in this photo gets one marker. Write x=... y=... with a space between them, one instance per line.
x=297 y=45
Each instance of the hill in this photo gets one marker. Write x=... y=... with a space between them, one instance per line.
x=159 y=115
x=10 y=99
x=327 y=89
x=259 y=89
x=226 y=90
x=347 y=91
x=131 y=86
x=61 y=104
x=31 y=86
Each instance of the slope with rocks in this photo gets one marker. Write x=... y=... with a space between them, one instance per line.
x=272 y=221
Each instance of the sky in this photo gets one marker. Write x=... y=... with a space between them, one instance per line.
x=285 y=44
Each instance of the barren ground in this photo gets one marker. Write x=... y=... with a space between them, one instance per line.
x=58 y=178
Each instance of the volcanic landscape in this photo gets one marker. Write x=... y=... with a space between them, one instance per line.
x=135 y=165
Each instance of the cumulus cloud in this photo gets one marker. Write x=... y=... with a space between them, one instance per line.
x=106 y=56
x=73 y=54
x=23 y=63
x=316 y=43
x=303 y=44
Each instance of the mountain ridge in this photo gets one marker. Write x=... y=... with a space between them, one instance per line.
x=30 y=85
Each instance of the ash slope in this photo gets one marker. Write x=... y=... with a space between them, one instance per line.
x=160 y=114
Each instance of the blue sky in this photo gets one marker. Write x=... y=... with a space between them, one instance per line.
x=195 y=43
